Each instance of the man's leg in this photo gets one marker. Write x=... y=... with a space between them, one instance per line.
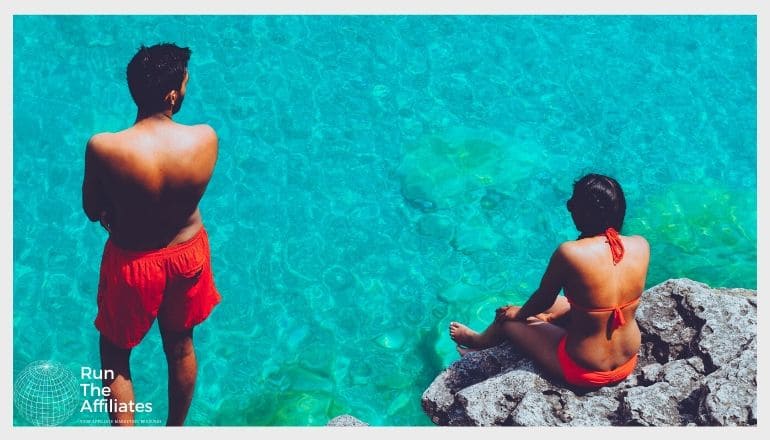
x=116 y=359
x=182 y=372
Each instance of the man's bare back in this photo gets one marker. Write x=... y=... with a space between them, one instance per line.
x=145 y=182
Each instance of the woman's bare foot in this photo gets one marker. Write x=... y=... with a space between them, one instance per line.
x=462 y=335
x=463 y=351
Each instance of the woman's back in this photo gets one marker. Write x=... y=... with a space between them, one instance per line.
x=603 y=276
x=596 y=340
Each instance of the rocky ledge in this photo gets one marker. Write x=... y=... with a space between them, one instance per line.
x=697 y=366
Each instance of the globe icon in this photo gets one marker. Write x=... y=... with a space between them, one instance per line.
x=46 y=393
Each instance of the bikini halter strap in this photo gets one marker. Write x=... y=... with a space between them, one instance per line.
x=616 y=246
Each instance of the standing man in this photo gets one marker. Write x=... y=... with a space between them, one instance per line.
x=143 y=184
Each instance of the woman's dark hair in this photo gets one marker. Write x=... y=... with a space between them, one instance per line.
x=153 y=72
x=597 y=203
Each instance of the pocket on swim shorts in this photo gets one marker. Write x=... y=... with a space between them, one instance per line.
x=188 y=265
x=193 y=272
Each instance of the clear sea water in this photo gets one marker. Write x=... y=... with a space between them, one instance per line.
x=378 y=177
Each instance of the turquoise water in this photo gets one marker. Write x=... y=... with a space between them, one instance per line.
x=378 y=177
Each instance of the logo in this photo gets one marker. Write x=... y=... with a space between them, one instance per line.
x=46 y=393
x=101 y=399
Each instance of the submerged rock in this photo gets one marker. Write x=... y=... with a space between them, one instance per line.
x=346 y=420
x=697 y=366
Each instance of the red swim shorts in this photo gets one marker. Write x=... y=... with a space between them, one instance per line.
x=576 y=375
x=174 y=284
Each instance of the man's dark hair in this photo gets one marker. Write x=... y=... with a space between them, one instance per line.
x=153 y=72
x=597 y=203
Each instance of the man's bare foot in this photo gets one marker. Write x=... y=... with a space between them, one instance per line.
x=462 y=335
x=463 y=351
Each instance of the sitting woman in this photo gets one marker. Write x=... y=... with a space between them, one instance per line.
x=590 y=339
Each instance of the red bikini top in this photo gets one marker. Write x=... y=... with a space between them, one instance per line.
x=616 y=247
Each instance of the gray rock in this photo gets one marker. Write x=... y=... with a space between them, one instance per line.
x=346 y=420
x=534 y=409
x=658 y=317
x=439 y=400
x=596 y=410
x=733 y=315
x=649 y=373
x=490 y=402
x=697 y=366
x=729 y=395
x=654 y=405
x=683 y=375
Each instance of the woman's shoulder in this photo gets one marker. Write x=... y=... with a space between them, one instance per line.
x=637 y=240
x=570 y=249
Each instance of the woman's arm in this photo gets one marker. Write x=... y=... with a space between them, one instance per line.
x=550 y=286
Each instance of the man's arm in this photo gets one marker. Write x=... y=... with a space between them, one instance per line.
x=94 y=200
x=550 y=286
x=212 y=142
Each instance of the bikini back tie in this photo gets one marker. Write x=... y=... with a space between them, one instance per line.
x=618 y=320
